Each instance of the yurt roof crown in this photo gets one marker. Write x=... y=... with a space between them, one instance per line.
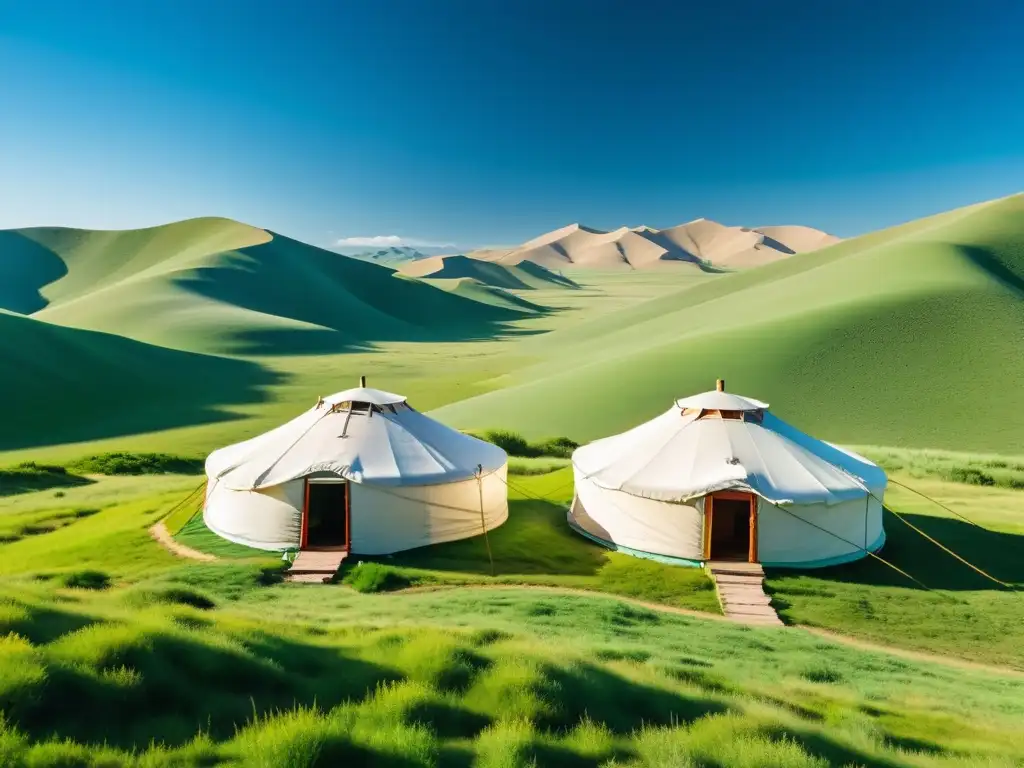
x=719 y=404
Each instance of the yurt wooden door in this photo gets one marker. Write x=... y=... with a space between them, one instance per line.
x=730 y=526
x=326 y=515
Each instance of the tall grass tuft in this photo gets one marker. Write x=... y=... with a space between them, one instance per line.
x=86 y=579
x=369 y=576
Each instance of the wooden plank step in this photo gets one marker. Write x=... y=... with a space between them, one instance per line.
x=729 y=567
x=731 y=600
x=740 y=588
x=740 y=580
x=307 y=578
x=323 y=563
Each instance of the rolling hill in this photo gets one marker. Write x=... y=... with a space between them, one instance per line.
x=62 y=385
x=526 y=275
x=701 y=243
x=910 y=336
x=218 y=286
x=907 y=337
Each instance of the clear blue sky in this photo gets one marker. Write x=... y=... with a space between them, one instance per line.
x=478 y=122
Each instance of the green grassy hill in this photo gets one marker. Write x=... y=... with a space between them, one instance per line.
x=62 y=385
x=215 y=285
x=473 y=289
x=906 y=337
x=523 y=276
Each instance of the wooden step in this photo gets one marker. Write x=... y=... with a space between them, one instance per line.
x=735 y=568
x=312 y=566
x=740 y=588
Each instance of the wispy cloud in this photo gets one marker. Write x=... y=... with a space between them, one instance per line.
x=386 y=241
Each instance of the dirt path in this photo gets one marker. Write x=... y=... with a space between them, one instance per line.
x=160 y=533
x=864 y=645
x=906 y=653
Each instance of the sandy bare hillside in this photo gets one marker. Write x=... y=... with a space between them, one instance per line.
x=701 y=241
x=798 y=238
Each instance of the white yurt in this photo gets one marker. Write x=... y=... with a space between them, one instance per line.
x=361 y=471
x=718 y=477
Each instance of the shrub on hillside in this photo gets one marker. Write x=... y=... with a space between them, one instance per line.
x=375 y=577
x=557 y=447
x=969 y=475
x=122 y=463
x=510 y=442
x=515 y=444
x=32 y=476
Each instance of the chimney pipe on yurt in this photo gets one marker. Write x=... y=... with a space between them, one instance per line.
x=362 y=382
x=720 y=385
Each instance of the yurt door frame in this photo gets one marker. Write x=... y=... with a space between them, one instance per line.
x=304 y=535
x=709 y=507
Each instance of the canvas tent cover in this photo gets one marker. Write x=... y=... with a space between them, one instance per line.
x=677 y=457
x=393 y=446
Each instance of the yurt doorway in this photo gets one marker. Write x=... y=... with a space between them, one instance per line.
x=325 y=517
x=730 y=526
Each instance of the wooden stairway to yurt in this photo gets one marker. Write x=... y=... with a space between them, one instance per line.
x=316 y=566
x=740 y=588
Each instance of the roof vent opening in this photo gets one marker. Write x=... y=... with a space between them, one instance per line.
x=356 y=407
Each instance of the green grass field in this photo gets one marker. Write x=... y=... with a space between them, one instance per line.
x=184 y=338
x=169 y=662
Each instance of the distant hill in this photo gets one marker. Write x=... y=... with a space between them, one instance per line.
x=910 y=336
x=484 y=293
x=702 y=243
x=216 y=285
x=523 y=276
x=393 y=256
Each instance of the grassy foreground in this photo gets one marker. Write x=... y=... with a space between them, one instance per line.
x=114 y=652
x=963 y=615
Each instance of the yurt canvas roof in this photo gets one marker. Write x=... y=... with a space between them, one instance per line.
x=677 y=457
x=720 y=401
x=390 y=444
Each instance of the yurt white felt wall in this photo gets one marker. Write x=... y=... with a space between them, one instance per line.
x=647 y=491
x=411 y=481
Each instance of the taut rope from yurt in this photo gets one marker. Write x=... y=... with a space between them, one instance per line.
x=483 y=524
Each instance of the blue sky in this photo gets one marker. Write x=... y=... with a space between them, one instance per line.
x=449 y=121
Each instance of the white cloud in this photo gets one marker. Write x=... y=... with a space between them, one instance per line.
x=385 y=241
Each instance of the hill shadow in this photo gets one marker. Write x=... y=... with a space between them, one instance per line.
x=1000 y=554
x=353 y=302
x=1004 y=267
x=771 y=242
x=63 y=385
x=543 y=273
x=25 y=268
